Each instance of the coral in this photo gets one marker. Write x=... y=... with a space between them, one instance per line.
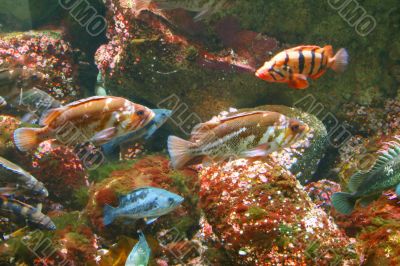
x=151 y=170
x=320 y=193
x=60 y=169
x=376 y=229
x=262 y=215
x=46 y=53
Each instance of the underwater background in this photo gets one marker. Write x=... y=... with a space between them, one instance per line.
x=328 y=197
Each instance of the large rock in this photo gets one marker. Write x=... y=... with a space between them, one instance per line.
x=264 y=217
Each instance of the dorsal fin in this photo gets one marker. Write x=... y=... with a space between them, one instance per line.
x=243 y=114
x=304 y=48
x=49 y=116
x=356 y=180
x=93 y=98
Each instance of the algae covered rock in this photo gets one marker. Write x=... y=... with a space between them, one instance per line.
x=153 y=170
x=263 y=216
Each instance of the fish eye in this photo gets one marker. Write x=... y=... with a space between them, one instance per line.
x=140 y=112
x=295 y=127
x=170 y=201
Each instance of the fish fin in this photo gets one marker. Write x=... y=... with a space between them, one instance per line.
x=104 y=136
x=340 y=60
x=82 y=101
x=203 y=13
x=49 y=116
x=304 y=47
x=318 y=75
x=328 y=50
x=151 y=220
x=397 y=190
x=343 y=202
x=364 y=202
x=108 y=213
x=259 y=151
x=141 y=5
x=355 y=181
x=298 y=81
x=27 y=138
x=179 y=151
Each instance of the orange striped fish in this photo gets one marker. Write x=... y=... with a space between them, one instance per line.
x=295 y=65
x=97 y=119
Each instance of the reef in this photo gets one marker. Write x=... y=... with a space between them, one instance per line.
x=262 y=215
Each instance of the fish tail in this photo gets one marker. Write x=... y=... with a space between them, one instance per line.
x=141 y=5
x=343 y=202
x=340 y=60
x=179 y=151
x=27 y=138
x=108 y=214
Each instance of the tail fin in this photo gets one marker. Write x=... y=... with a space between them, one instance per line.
x=27 y=138
x=108 y=213
x=343 y=202
x=140 y=5
x=340 y=61
x=178 y=151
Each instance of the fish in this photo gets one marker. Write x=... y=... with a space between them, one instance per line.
x=161 y=116
x=13 y=79
x=34 y=101
x=203 y=8
x=147 y=203
x=243 y=135
x=140 y=254
x=12 y=173
x=293 y=66
x=32 y=214
x=97 y=119
x=3 y=102
x=366 y=187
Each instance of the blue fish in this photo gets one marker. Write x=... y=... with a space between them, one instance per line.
x=140 y=253
x=366 y=187
x=147 y=203
x=161 y=116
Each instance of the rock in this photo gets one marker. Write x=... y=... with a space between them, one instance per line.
x=263 y=216
x=118 y=179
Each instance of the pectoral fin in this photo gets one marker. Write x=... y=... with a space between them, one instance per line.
x=259 y=151
x=104 y=135
x=150 y=220
x=298 y=81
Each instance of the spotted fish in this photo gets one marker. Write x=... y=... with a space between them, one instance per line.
x=140 y=253
x=248 y=134
x=295 y=65
x=97 y=119
x=368 y=186
x=12 y=173
x=143 y=203
x=32 y=214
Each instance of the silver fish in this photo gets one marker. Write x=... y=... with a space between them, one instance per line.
x=140 y=254
x=32 y=214
x=143 y=203
x=12 y=173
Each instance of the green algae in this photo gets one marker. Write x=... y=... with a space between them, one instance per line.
x=104 y=171
x=80 y=197
x=256 y=213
